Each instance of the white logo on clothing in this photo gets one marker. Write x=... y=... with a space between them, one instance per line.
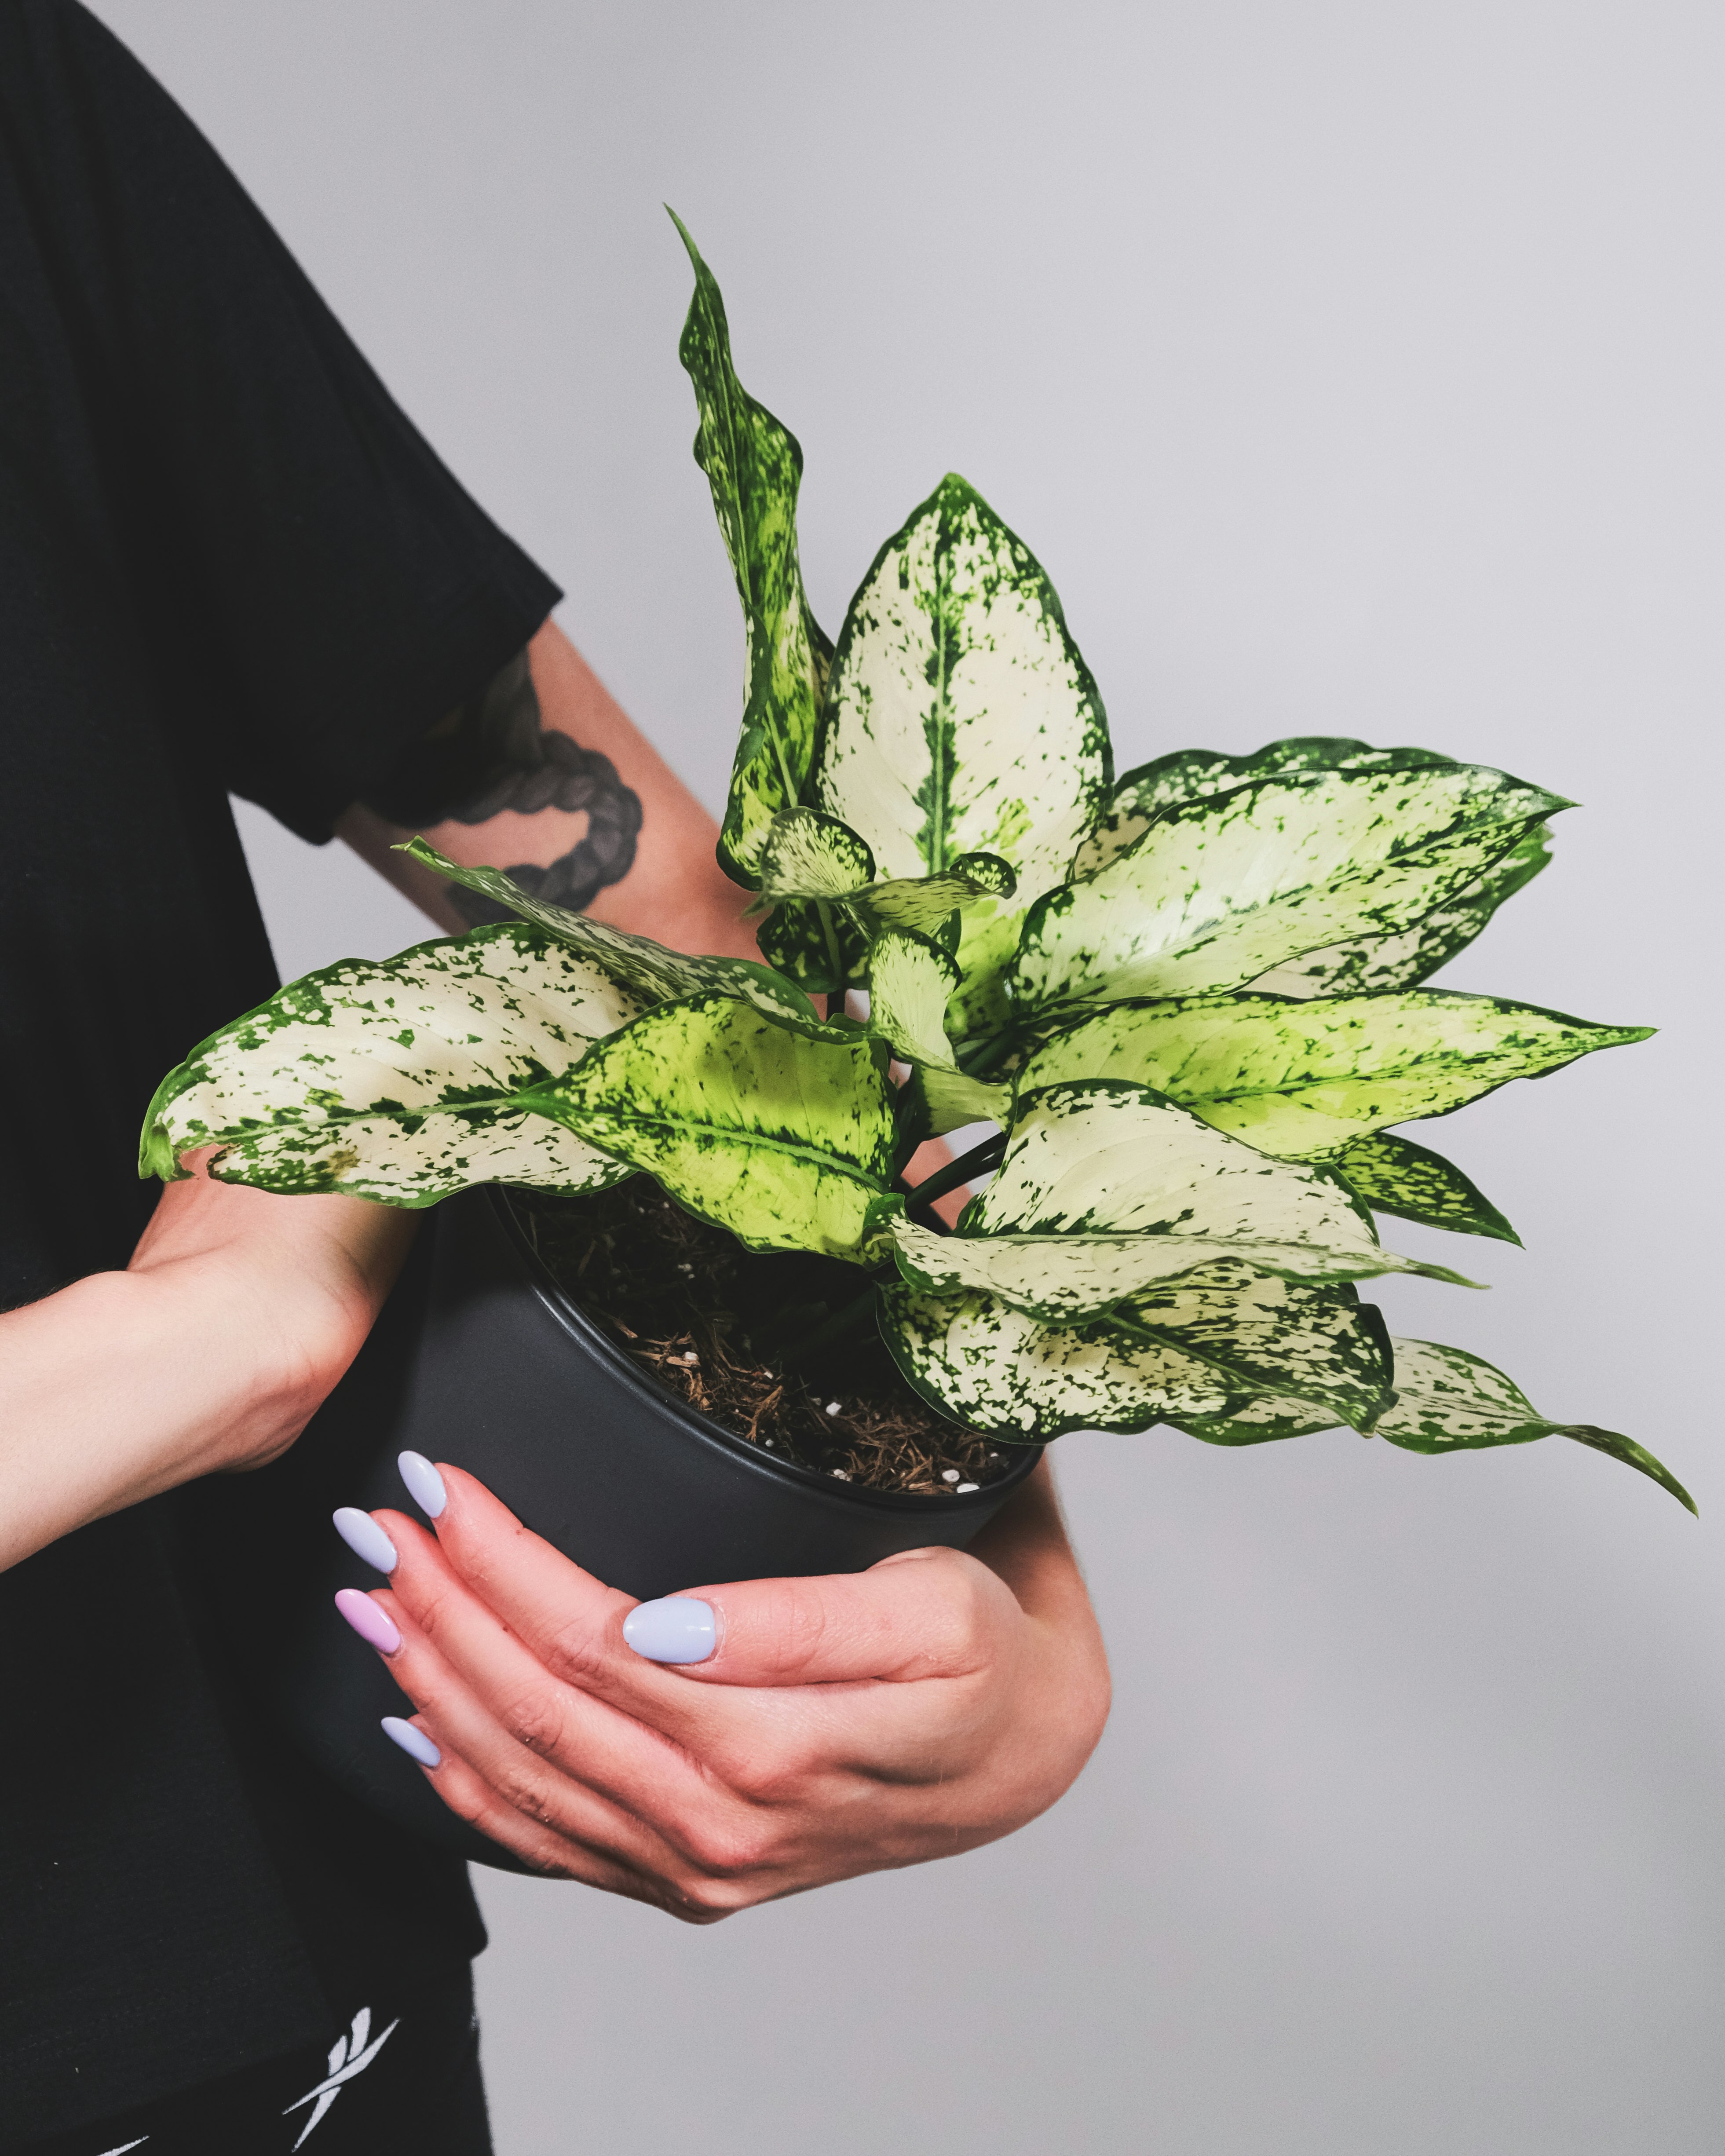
x=351 y=2055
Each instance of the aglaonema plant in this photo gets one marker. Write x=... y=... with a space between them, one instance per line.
x=1189 y=1003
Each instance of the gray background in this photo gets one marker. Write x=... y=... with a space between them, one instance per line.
x=1353 y=368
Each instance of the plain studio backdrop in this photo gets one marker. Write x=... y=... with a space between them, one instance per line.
x=1352 y=368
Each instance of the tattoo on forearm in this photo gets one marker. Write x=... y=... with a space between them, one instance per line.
x=494 y=755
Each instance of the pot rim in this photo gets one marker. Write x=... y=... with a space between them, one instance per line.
x=697 y=1424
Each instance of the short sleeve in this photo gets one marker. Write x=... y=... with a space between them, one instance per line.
x=346 y=589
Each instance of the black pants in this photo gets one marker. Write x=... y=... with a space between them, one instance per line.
x=403 y=2075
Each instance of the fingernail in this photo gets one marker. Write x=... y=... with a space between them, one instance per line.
x=368 y=1620
x=425 y=1485
x=364 y=1537
x=678 y=1628
x=413 y=1742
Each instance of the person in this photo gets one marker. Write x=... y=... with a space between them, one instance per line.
x=232 y=567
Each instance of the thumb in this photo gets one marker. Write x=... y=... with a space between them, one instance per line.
x=931 y=1613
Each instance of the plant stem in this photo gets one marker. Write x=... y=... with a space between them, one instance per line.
x=824 y=909
x=980 y=1160
x=842 y=1326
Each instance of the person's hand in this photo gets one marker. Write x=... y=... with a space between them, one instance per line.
x=299 y=1281
x=237 y=1315
x=836 y=1725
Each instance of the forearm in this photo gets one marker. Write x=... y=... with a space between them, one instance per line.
x=238 y=1314
x=670 y=887
x=119 y=1387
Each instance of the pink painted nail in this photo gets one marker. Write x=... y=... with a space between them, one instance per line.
x=368 y=1620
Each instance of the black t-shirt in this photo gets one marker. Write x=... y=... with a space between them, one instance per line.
x=228 y=564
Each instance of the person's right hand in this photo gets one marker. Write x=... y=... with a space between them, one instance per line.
x=238 y=1314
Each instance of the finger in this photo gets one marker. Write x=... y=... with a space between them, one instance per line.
x=549 y=1749
x=554 y=1855
x=570 y=1622
x=930 y=1614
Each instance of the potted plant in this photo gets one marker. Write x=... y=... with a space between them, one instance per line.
x=1186 y=1004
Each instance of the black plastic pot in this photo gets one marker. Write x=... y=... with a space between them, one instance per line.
x=482 y=1361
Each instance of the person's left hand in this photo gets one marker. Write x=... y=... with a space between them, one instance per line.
x=836 y=1725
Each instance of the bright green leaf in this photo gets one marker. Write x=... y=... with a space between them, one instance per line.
x=910 y=978
x=1394 y=1175
x=787 y=1141
x=403 y=1081
x=1299 y=1080
x=755 y=469
x=1218 y=890
x=1450 y=1401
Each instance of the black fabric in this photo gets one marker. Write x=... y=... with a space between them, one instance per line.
x=227 y=563
x=400 y=2072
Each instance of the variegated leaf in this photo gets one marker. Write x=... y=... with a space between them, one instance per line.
x=1107 y=1190
x=1220 y=890
x=402 y=1080
x=1259 y=1422
x=961 y=717
x=1394 y=1175
x=1201 y=1348
x=816 y=944
x=998 y=1370
x=755 y=469
x=1299 y=1080
x=1191 y=774
x=910 y=978
x=1450 y=1401
x=787 y=1141
x=1321 y=1343
x=1375 y=965
x=809 y=855
x=652 y=972
x=926 y=903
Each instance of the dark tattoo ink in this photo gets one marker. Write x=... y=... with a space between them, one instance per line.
x=494 y=755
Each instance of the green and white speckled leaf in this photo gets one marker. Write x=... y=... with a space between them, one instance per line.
x=1299 y=1080
x=910 y=978
x=403 y=1080
x=815 y=943
x=1107 y=1190
x=1394 y=1175
x=755 y=467
x=926 y=903
x=809 y=855
x=1199 y=1348
x=652 y=972
x=1320 y=1344
x=999 y=1370
x=1450 y=1401
x=1218 y=891
x=1260 y=1422
x=787 y=1141
x=1191 y=774
x=1374 y=965
x=961 y=718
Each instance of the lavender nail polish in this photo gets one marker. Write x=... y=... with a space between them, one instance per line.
x=413 y=1742
x=425 y=1485
x=368 y=1620
x=677 y=1629
x=364 y=1537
